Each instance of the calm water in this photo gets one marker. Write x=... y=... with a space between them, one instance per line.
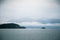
x=29 y=34
x=46 y=27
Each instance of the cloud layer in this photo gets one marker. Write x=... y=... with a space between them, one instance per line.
x=36 y=24
x=39 y=11
x=37 y=20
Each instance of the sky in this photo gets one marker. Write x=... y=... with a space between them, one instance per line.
x=30 y=12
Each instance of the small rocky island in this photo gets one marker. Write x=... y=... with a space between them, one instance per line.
x=43 y=28
x=11 y=25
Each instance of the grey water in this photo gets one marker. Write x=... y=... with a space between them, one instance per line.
x=46 y=27
x=29 y=34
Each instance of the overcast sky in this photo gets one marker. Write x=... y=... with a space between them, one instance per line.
x=29 y=9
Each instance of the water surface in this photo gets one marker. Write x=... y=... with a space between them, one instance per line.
x=29 y=34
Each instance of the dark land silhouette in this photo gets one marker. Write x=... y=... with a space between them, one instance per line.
x=11 y=25
x=43 y=28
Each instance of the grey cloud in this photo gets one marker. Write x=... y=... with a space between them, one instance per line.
x=22 y=20
x=57 y=1
x=37 y=20
x=1 y=1
x=49 y=21
x=9 y=10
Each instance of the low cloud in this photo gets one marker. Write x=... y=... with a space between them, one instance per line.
x=49 y=21
x=37 y=24
x=44 y=21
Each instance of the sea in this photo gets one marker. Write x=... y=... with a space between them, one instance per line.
x=30 y=34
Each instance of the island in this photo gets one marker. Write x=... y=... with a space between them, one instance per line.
x=11 y=25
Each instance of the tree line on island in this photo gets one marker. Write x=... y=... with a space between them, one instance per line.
x=11 y=25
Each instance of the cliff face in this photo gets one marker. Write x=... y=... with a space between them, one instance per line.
x=10 y=25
